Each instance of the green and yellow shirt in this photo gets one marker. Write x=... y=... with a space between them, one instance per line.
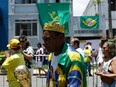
x=70 y=70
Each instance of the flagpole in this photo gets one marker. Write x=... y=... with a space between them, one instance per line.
x=71 y=15
x=71 y=1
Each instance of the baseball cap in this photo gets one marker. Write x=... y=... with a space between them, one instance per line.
x=14 y=43
x=54 y=27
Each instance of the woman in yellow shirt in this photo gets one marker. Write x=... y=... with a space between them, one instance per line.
x=13 y=61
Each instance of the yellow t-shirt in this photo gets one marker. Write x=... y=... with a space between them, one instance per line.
x=11 y=63
x=87 y=54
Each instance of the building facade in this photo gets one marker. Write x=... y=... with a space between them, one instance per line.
x=23 y=19
x=102 y=10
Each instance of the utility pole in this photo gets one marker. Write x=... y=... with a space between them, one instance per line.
x=109 y=20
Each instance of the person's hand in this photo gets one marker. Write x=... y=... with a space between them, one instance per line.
x=7 y=54
x=99 y=73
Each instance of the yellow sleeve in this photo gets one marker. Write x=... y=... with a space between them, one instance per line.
x=7 y=63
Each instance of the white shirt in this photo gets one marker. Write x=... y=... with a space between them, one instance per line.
x=100 y=56
x=40 y=51
x=54 y=61
x=106 y=66
x=80 y=51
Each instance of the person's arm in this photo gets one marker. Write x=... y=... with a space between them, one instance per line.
x=112 y=68
x=109 y=75
x=77 y=75
x=7 y=54
x=29 y=54
x=7 y=63
x=74 y=79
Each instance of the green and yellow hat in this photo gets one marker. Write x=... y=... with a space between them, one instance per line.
x=54 y=16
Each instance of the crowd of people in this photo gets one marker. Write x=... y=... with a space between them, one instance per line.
x=68 y=63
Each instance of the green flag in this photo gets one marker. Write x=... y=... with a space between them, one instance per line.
x=89 y=22
x=54 y=13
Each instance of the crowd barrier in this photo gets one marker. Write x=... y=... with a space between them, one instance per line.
x=92 y=81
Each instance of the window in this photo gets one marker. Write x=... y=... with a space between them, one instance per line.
x=113 y=32
x=57 y=1
x=46 y=1
x=113 y=5
x=26 y=27
x=25 y=1
x=68 y=0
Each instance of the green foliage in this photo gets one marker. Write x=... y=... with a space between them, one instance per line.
x=97 y=1
x=2 y=57
x=2 y=52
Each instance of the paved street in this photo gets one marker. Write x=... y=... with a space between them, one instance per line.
x=92 y=81
x=40 y=82
x=36 y=82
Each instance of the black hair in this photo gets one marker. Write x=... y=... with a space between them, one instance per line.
x=23 y=37
x=103 y=41
x=89 y=43
x=86 y=47
x=27 y=44
x=39 y=44
x=77 y=42
x=112 y=48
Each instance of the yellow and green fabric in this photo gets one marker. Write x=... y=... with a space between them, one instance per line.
x=10 y=64
x=87 y=55
x=89 y=22
x=70 y=71
x=54 y=13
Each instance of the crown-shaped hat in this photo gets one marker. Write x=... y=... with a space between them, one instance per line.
x=54 y=27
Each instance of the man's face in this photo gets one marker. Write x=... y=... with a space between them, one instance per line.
x=73 y=44
x=50 y=41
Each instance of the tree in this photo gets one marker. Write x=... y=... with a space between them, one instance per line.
x=97 y=5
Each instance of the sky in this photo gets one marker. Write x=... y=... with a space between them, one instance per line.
x=79 y=7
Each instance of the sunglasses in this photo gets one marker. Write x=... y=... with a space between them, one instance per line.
x=22 y=41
